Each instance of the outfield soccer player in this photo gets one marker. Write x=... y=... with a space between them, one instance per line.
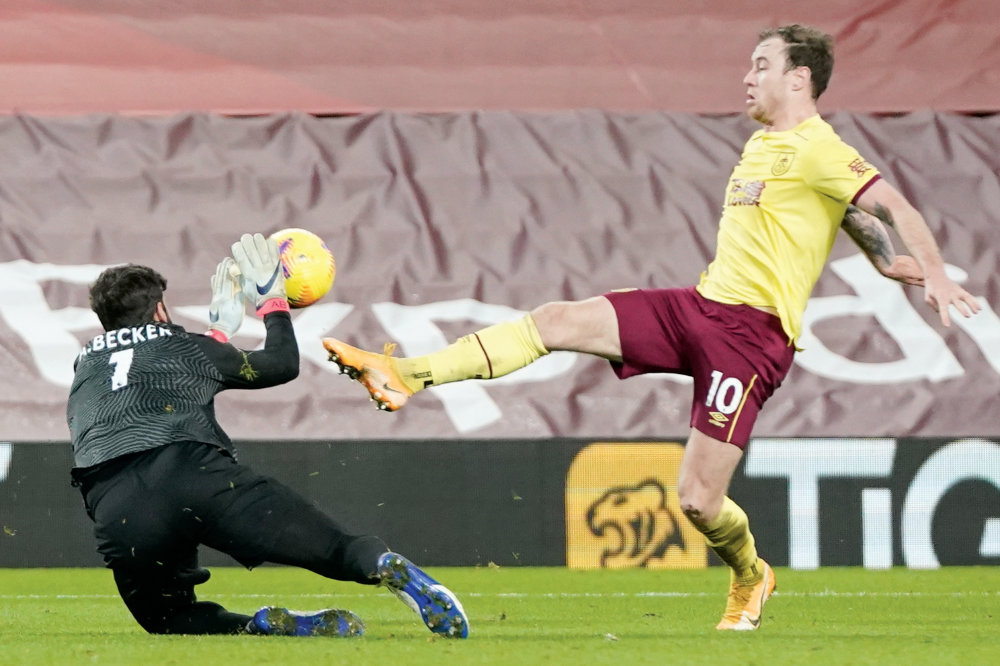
x=159 y=476
x=734 y=332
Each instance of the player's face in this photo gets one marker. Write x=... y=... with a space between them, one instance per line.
x=766 y=80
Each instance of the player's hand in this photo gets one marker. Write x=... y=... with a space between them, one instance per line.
x=941 y=292
x=905 y=269
x=260 y=265
x=225 y=314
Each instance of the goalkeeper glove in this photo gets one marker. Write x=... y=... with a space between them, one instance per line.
x=225 y=314
x=259 y=262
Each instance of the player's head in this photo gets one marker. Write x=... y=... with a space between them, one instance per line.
x=791 y=63
x=128 y=295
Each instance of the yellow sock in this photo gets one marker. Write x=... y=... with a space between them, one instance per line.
x=492 y=352
x=729 y=536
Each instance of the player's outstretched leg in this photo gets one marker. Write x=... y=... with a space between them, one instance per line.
x=275 y=621
x=745 y=605
x=439 y=608
x=376 y=372
x=488 y=353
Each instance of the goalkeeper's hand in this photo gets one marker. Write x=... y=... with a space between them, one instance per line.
x=259 y=262
x=225 y=314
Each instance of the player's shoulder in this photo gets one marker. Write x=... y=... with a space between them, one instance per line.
x=819 y=132
x=820 y=142
x=814 y=130
x=811 y=132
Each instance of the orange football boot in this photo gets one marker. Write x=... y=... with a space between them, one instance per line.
x=376 y=372
x=746 y=603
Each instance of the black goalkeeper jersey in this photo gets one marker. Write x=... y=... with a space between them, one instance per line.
x=142 y=387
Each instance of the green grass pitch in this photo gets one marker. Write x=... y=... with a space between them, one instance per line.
x=532 y=616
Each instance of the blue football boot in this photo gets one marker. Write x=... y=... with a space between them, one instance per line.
x=274 y=621
x=439 y=608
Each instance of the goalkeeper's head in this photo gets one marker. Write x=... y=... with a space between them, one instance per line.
x=128 y=295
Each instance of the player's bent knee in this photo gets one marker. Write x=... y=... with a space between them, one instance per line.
x=589 y=326
x=699 y=506
x=688 y=497
x=694 y=513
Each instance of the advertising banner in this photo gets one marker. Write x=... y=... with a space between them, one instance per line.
x=876 y=503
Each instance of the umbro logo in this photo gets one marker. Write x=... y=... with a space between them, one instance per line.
x=718 y=419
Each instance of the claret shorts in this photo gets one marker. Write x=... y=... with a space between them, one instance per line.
x=736 y=354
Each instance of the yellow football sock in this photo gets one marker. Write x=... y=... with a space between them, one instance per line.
x=729 y=536
x=492 y=352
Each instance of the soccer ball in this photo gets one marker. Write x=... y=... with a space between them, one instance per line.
x=308 y=266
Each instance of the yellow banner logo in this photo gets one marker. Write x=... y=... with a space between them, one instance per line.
x=622 y=509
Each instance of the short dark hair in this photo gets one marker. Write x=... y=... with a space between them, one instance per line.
x=126 y=295
x=806 y=47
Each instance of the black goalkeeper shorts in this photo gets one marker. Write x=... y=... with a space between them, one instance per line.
x=153 y=509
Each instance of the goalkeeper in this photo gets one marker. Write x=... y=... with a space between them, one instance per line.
x=159 y=476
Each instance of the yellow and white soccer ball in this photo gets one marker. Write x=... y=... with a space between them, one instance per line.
x=308 y=266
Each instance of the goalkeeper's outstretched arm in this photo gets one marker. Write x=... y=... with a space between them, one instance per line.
x=276 y=363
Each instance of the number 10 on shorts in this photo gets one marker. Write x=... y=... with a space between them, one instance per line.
x=727 y=394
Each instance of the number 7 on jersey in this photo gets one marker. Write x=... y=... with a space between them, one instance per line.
x=122 y=361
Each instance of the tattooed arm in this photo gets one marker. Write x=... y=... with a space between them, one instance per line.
x=873 y=238
x=940 y=292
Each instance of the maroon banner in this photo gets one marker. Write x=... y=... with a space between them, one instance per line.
x=442 y=224
x=349 y=56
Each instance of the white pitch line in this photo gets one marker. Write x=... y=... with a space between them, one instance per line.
x=538 y=595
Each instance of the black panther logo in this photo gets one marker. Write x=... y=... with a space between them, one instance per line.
x=636 y=523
